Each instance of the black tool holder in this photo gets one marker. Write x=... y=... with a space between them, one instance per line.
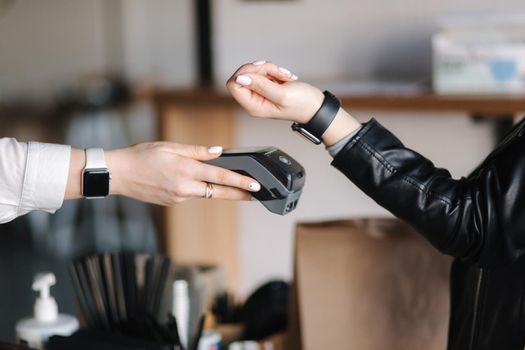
x=120 y=298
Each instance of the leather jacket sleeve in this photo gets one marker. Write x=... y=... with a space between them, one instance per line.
x=480 y=219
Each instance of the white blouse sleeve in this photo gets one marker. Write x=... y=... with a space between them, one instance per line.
x=33 y=176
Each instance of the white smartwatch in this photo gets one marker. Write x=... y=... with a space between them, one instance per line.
x=96 y=175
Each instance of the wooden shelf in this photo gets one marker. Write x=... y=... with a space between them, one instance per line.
x=493 y=105
x=487 y=105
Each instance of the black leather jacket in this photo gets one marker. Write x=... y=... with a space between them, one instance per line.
x=480 y=220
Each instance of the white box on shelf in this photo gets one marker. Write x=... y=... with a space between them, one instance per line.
x=479 y=57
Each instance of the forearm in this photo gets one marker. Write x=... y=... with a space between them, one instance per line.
x=163 y=173
x=459 y=217
x=404 y=182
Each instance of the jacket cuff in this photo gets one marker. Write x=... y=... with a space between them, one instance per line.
x=343 y=155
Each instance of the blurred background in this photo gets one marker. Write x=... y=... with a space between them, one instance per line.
x=112 y=73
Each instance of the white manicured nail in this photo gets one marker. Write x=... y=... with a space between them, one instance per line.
x=258 y=63
x=294 y=77
x=254 y=186
x=243 y=80
x=215 y=150
x=285 y=71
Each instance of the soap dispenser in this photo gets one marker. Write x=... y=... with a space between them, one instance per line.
x=46 y=321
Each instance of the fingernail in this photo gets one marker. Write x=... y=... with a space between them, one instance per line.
x=243 y=80
x=258 y=63
x=254 y=186
x=285 y=71
x=294 y=77
x=215 y=150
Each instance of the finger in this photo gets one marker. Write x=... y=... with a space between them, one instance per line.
x=265 y=68
x=262 y=86
x=198 y=152
x=221 y=176
x=254 y=67
x=230 y=193
x=255 y=104
x=280 y=74
x=198 y=189
x=238 y=92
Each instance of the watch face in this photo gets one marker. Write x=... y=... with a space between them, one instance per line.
x=96 y=183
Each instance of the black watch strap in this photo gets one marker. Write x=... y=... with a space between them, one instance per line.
x=316 y=127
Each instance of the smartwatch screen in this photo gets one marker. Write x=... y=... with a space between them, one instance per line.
x=96 y=183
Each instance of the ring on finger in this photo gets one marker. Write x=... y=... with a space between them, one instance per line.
x=209 y=191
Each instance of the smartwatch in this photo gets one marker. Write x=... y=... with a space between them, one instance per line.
x=316 y=127
x=96 y=175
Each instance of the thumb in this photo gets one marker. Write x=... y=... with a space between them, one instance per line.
x=262 y=86
x=199 y=152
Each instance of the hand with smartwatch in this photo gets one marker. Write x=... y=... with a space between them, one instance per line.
x=478 y=219
x=162 y=173
x=269 y=91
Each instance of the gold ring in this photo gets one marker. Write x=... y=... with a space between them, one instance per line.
x=209 y=191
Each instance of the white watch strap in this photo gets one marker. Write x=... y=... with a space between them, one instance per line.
x=95 y=158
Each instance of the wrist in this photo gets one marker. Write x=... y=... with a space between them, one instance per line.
x=115 y=160
x=77 y=162
x=342 y=125
x=317 y=126
x=317 y=100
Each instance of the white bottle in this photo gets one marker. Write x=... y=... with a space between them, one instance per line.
x=181 y=310
x=34 y=332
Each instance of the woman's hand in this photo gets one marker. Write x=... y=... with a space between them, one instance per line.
x=266 y=90
x=166 y=173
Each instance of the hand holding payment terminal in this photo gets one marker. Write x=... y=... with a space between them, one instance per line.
x=281 y=177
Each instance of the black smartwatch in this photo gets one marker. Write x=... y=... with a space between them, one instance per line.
x=96 y=175
x=315 y=128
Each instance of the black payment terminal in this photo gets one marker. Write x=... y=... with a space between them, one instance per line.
x=281 y=177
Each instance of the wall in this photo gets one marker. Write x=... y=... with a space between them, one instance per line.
x=41 y=46
x=334 y=39
x=45 y=45
x=158 y=41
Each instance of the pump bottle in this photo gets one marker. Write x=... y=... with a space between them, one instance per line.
x=46 y=321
